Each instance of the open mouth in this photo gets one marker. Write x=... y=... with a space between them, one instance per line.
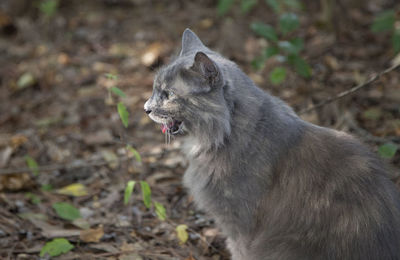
x=173 y=127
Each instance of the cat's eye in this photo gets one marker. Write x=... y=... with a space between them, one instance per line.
x=167 y=94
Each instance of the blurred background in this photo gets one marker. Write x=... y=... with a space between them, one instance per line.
x=84 y=173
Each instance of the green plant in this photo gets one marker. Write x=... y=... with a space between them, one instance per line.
x=48 y=7
x=146 y=197
x=122 y=111
x=387 y=150
x=388 y=21
x=283 y=46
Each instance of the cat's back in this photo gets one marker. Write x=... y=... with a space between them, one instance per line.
x=331 y=199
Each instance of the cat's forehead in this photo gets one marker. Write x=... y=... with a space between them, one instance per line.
x=169 y=73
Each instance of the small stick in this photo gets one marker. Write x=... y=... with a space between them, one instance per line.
x=350 y=91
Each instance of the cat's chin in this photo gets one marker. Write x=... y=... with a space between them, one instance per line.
x=168 y=125
x=173 y=128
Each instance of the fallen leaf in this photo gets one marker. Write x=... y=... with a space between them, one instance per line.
x=92 y=235
x=26 y=80
x=56 y=247
x=182 y=233
x=75 y=189
x=81 y=223
x=51 y=231
x=131 y=246
x=111 y=158
x=5 y=155
x=151 y=54
x=18 y=140
x=33 y=216
x=15 y=182
x=66 y=211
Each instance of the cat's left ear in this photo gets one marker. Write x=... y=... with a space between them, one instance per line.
x=191 y=43
x=207 y=68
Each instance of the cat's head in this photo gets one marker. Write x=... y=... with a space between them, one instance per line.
x=188 y=93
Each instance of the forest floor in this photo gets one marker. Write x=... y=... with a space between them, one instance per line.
x=56 y=107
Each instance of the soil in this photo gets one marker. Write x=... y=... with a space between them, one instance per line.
x=57 y=108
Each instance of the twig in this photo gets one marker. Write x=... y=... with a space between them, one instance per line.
x=350 y=91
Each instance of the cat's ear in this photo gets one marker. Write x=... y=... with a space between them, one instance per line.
x=204 y=66
x=191 y=43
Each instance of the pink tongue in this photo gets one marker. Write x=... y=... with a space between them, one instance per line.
x=163 y=128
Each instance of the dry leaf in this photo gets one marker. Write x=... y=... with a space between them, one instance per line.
x=5 y=155
x=92 y=235
x=75 y=189
x=18 y=140
x=51 y=231
x=182 y=233
x=15 y=182
x=151 y=54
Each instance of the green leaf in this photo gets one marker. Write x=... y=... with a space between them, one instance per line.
x=274 y=4
x=146 y=193
x=384 y=21
x=291 y=47
x=224 y=6
x=247 y=5
x=293 y=4
x=34 y=198
x=258 y=62
x=396 y=41
x=48 y=7
x=66 y=211
x=387 y=150
x=265 y=30
x=373 y=113
x=46 y=187
x=56 y=247
x=123 y=114
x=134 y=152
x=111 y=76
x=160 y=211
x=128 y=191
x=288 y=23
x=297 y=45
x=300 y=65
x=118 y=92
x=32 y=165
x=277 y=75
x=271 y=51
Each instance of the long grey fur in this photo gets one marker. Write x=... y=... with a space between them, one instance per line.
x=278 y=187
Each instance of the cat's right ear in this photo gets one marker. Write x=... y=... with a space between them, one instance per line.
x=191 y=43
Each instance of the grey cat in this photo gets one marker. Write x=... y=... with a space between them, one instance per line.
x=279 y=188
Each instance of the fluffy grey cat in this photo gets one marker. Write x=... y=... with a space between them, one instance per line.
x=279 y=188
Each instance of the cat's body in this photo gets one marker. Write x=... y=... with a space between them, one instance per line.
x=278 y=187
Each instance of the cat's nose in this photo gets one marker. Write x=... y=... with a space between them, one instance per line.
x=148 y=111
